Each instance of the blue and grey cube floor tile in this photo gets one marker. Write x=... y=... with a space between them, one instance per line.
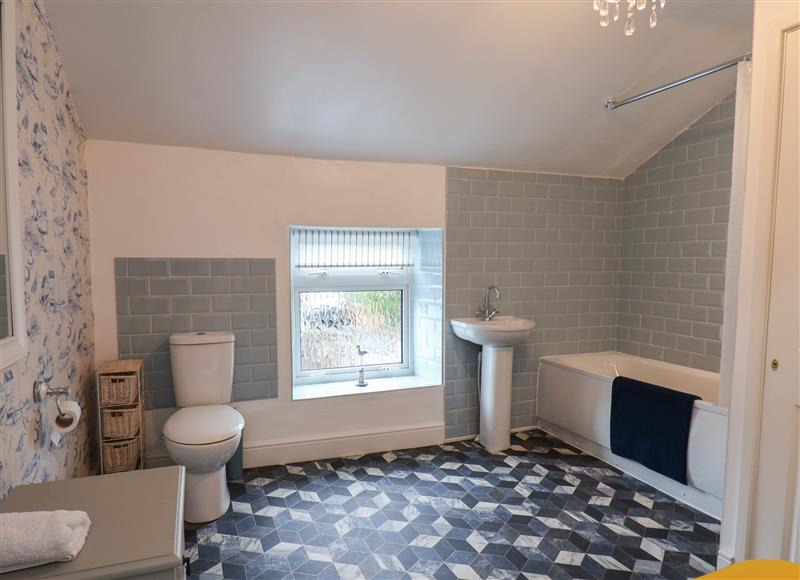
x=541 y=510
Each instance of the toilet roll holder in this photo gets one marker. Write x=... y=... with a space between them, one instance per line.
x=42 y=390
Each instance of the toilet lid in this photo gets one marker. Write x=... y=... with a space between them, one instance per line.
x=203 y=425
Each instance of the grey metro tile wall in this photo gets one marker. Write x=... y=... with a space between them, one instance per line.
x=599 y=264
x=674 y=242
x=551 y=243
x=426 y=305
x=160 y=296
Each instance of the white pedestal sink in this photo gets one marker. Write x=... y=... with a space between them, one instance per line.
x=497 y=337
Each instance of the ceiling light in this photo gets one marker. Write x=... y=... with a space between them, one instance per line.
x=610 y=9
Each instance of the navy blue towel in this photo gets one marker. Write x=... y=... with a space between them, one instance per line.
x=650 y=424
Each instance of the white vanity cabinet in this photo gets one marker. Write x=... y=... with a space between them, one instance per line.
x=137 y=524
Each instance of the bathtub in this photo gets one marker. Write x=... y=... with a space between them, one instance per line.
x=575 y=404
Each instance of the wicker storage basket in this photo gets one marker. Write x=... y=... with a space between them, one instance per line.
x=121 y=455
x=120 y=423
x=118 y=389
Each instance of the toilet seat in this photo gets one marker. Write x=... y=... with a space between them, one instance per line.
x=203 y=425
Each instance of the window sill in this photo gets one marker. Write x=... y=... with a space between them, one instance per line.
x=347 y=388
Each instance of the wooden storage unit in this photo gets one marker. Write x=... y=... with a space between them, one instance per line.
x=120 y=401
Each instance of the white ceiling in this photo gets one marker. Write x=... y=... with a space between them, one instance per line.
x=494 y=84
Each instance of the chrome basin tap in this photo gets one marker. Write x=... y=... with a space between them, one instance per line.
x=488 y=313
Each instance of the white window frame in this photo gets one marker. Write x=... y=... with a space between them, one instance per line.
x=15 y=346
x=351 y=280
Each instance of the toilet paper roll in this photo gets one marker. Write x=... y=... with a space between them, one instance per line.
x=66 y=423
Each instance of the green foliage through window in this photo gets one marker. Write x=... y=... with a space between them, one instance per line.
x=333 y=324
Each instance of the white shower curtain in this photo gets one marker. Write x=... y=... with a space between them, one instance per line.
x=744 y=74
x=727 y=547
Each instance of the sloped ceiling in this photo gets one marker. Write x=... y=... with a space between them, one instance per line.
x=494 y=84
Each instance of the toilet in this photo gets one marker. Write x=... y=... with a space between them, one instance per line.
x=205 y=432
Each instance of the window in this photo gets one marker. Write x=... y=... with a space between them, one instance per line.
x=332 y=322
x=351 y=290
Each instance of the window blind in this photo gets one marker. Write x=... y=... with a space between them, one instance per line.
x=352 y=247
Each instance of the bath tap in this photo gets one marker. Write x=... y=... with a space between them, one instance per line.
x=488 y=313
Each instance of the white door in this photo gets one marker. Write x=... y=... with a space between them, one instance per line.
x=776 y=482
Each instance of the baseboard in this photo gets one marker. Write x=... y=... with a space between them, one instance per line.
x=157 y=457
x=724 y=559
x=474 y=436
x=694 y=497
x=462 y=438
x=262 y=453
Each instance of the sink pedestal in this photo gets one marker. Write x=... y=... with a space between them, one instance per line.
x=497 y=336
x=495 y=397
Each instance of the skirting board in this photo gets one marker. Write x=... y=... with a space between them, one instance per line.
x=157 y=459
x=699 y=500
x=475 y=436
x=724 y=559
x=262 y=453
x=287 y=451
x=283 y=451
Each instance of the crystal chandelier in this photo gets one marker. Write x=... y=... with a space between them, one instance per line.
x=610 y=9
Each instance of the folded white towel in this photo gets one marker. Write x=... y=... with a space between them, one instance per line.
x=34 y=538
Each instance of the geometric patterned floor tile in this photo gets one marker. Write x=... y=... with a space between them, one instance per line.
x=541 y=510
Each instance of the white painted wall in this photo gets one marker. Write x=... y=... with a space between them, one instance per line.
x=158 y=201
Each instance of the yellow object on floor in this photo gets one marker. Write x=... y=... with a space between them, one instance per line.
x=758 y=570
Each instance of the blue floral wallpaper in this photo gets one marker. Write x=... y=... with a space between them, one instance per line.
x=58 y=292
